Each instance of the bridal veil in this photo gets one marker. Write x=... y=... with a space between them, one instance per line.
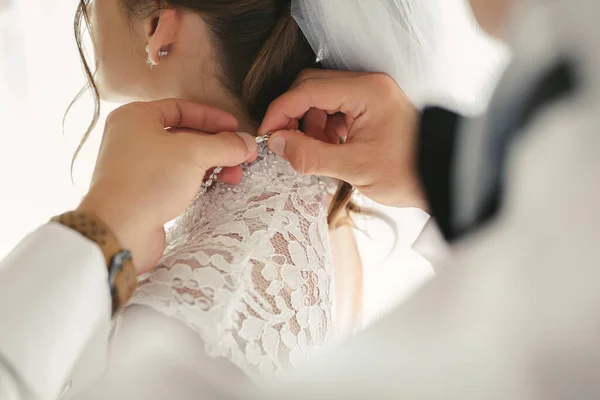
x=432 y=48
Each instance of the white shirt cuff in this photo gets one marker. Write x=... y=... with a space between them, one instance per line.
x=54 y=296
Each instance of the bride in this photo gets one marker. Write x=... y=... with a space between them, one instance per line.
x=245 y=288
x=248 y=267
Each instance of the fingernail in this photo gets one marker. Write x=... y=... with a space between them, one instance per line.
x=248 y=139
x=277 y=145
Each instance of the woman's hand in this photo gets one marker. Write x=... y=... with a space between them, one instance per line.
x=376 y=121
x=147 y=175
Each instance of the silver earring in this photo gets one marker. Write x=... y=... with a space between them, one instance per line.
x=149 y=61
x=161 y=54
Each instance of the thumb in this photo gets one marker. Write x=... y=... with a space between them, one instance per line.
x=227 y=149
x=310 y=156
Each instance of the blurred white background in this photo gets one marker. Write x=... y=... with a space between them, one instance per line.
x=40 y=74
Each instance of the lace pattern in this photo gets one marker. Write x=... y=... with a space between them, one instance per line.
x=249 y=268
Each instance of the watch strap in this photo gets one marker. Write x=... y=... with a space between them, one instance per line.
x=122 y=274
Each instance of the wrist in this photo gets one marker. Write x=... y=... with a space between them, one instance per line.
x=112 y=215
x=118 y=216
x=145 y=242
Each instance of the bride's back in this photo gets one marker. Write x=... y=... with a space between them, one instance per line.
x=249 y=268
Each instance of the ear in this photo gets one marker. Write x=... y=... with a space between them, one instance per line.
x=161 y=31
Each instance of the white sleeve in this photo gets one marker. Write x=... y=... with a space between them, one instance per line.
x=53 y=297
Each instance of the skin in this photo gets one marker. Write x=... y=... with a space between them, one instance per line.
x=377 y=125
x=377 y=121
x=130 y=191
x=492 y=15
x=189 y=69
x=187 y=72
x=133 y=193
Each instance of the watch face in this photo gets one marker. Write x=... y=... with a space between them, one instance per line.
x=122 y=279
x=116 y=265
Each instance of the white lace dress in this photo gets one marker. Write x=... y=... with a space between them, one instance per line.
x=249 y=269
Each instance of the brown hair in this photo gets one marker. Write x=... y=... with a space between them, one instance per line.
x=260 y=50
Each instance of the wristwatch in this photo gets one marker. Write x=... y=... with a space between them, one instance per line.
x=121 y=273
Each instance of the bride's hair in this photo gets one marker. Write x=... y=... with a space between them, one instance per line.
x=259 y=48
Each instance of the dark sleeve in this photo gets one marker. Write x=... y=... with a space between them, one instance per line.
x=437 y=146
x=507 y=120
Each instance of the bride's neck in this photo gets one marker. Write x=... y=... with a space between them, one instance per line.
x=234 y=107
x=245 y=123
x=219 y=98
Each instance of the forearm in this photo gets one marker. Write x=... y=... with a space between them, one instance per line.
x=53 y=297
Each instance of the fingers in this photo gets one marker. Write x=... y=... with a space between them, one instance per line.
x=344 y=95
x=187 y=114
x=336 y=128
x=293 y=125
x=308 y=74
x=310 y=156
x=232 y=176
x=223 y=149
x=314 y=123
x=351 y=93
x=319 y=125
